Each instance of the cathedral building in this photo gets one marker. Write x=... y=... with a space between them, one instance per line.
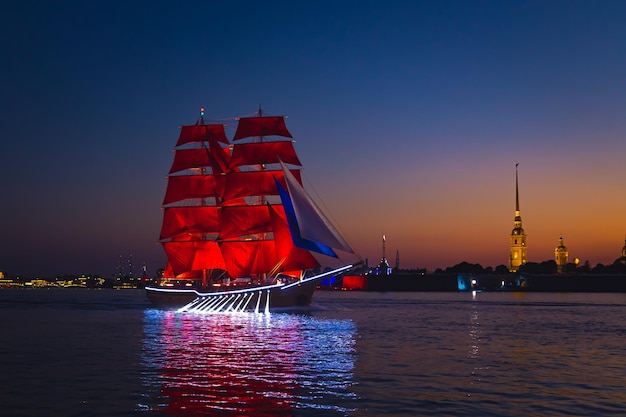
x=518 y=256
x=560 y=256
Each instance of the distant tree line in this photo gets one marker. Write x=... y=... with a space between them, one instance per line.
x=550 y=267
x=545 y=267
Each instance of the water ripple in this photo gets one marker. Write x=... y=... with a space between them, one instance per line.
x=248 y=364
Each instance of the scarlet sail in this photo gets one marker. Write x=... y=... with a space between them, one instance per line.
x=190 y=158
x=199 y=133
x=225 y=213
x=261 y=126
x=264 y=153
x=191 y=220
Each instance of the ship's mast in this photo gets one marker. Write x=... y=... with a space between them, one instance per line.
x=205 y=272
x=262 y=199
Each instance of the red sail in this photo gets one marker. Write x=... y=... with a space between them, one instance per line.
x=168 y=273
x=254 y=183
x=190 y=158
x=191 y=275
x=244 y=221
x=290 y=256
x=184 y=187
x=189 y=220
x=201 y=133
x=193 y=255
x=219 y=157
x=179 y=256
x=263 y=153
x=208 y=256
x=245 y=238
x=261 y=126
x=248 y=257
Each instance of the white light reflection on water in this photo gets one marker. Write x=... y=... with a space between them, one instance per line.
x=247 y=364
x=474 y=329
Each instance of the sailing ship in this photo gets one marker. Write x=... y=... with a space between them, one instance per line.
x=239 y=230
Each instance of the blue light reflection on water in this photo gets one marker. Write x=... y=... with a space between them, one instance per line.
x=109 y=354
x=248 y=364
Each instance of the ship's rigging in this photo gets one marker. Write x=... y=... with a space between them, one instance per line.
x=233 y=210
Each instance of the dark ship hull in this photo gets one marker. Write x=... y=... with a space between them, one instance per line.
x=257 y=299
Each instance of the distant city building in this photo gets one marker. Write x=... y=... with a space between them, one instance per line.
x=518 y=256
x=560 y=256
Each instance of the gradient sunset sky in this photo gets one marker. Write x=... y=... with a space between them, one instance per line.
x=409 y=117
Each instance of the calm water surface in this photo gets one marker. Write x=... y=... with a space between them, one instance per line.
x=108 y=353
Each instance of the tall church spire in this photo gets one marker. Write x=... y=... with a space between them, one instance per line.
x=518 y=256
x=516 y=192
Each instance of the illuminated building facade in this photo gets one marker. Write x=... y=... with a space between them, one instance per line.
x=560 y=256
x=518 y=256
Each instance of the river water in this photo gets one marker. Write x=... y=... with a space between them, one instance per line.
x=66 y=352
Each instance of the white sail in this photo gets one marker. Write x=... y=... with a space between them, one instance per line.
x=312 y=222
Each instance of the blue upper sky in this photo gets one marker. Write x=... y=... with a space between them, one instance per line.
x=409 y=118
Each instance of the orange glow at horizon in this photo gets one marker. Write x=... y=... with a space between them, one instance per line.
x=443 y=226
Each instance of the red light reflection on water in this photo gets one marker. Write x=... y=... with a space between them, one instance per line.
x=228 y=364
